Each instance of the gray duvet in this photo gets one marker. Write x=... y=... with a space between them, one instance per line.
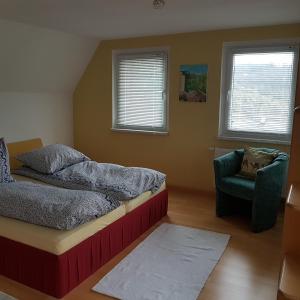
x=81 y=192
x=118 y=183
x=51 y=206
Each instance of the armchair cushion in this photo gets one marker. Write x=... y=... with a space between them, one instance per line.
x=239 y=187
x=255 y=159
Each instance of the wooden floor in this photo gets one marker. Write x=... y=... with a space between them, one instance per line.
x=248 y=270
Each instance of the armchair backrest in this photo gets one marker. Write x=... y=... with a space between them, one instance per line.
x=230 y=164
x=282 y=156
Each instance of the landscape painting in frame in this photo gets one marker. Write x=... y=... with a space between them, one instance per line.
x=193 y=83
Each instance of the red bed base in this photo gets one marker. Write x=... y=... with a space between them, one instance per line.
x=56 y=275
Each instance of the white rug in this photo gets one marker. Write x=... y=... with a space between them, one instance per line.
x=4 y=296
x=173 y=263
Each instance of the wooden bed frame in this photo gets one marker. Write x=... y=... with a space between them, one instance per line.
x=20 y=147
x=56 y=275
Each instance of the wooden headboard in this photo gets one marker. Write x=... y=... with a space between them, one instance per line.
x=20 y=147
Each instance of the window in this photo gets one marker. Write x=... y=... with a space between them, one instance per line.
x=257 y=94
x=140 y=91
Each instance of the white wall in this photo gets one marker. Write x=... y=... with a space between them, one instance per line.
x=39 y=69
x=27 y=115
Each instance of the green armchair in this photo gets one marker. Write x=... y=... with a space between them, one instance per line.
x=262 y=195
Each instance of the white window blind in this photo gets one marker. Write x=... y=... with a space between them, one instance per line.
x=140 y=91
x=258 y=93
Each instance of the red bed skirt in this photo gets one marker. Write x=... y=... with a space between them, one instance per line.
x=56 y=275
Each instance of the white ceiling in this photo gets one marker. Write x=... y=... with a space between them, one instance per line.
x=107 y=19
x=36 y=60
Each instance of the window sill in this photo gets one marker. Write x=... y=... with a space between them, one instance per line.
x=255 y=140
x=139 y=131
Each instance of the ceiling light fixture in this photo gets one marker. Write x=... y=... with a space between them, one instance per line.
x=158 y=4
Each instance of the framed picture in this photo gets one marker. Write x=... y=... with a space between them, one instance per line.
x=193 y=83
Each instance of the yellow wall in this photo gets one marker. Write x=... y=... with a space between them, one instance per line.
x=184 y=154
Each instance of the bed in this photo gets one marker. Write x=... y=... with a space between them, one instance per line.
x=55 y=261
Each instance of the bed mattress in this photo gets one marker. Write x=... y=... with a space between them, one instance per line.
x=53 y=240
x=60 y=241
x=134 y=203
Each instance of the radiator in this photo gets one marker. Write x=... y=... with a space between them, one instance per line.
x=220 y=151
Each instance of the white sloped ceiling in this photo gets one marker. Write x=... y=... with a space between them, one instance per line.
x=34 y=59
x=39 y=70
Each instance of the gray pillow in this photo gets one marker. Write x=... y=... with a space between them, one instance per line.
x=4 y=163
x=52 y=158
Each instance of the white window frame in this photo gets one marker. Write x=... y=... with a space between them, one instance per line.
x=134 y=129
x=229 y=49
